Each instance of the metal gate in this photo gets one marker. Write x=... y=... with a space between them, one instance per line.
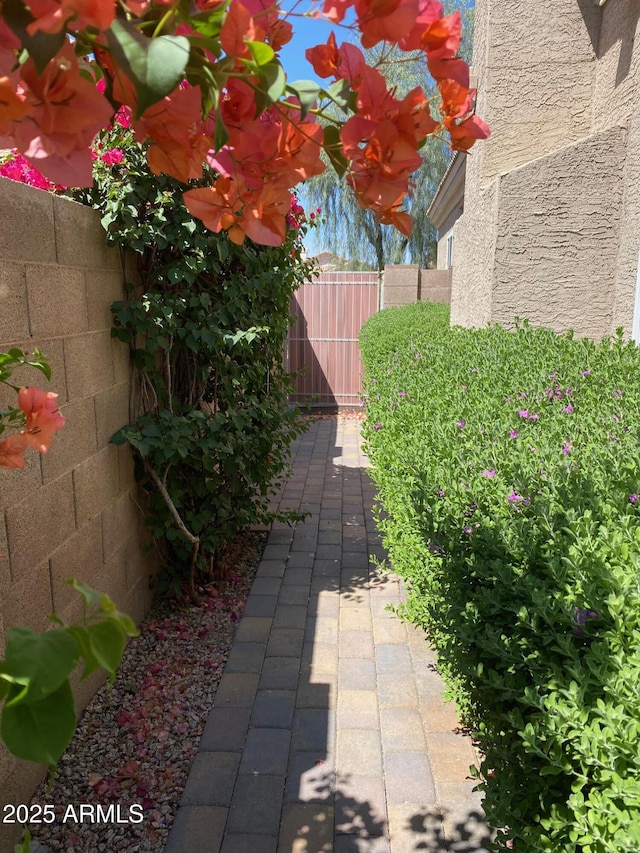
x=329 y=313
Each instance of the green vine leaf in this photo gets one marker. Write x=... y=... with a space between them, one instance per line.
x=155 y=66
x=37 y=664
x=39 y=731
x=307 y=92
x=41 y=46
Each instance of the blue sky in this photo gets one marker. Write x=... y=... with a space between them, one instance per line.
x=307 y=32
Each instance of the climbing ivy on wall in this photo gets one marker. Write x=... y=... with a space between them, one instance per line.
x=206 y=322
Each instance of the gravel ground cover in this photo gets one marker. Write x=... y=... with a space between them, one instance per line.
x=135 y=742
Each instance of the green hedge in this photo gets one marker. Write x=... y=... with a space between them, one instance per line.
x=508 y=470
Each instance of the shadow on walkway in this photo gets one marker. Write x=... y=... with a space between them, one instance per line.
x=328 y=733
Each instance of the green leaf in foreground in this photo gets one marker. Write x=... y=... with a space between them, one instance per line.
x=39 y=663
x=156 y=66
x=40 y=731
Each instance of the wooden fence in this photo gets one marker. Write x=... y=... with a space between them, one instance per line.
x=323 y=342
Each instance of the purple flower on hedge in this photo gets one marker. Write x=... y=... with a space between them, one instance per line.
x=617 y=393
x=568 y=409
x=566 y=448
x=377 y=426
x=586 y=373
x=580 y=617
x=633 y=498
x=515 y=498
x=507 y=399
x=513 y=433
x=403 y=393
x=534 y=416
x=461 y=423
x=522 y=395
x=489 y=473
x=524 y=413
x=467 y=530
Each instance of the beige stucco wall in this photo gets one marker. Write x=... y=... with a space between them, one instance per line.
x=551 y=228
x=556 y=242
x=616 y=98
x=74 y=511
x=538 y=74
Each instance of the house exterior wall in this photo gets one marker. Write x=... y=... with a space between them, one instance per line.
x=73 y=512
x=551 y=228
x=616 y=98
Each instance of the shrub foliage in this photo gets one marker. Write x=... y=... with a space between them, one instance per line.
x=508 y=469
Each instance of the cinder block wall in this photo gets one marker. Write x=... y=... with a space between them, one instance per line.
x=405 y=284
x=435 y=286
x=72 y=512
x=401 y=285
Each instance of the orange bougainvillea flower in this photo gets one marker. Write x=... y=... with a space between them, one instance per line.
x=180 y=140
x=428 y=12
x=66 y=112
x=324 y=57
x=13 y=108
x=465 y=133
x=264 y=215
x=441 y=39
x=385 y=20
x=298 y=155
x=51 y=16
x=217 y=206
x=238 y=28
x=335 y=10
x=237 y=103
x=259 y=214
x=43 y=416
x=11 y=450
x=460 y=120
x=379 y=171
x=449 y=69
x=400 y=219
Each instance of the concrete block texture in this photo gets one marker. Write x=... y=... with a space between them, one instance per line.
x=62 y=286
x=27 y=602
x=38 y=525
x=74 y=443
x=104 y=287
x=112 y=411
x=80 y=557
x=89 y=364
x=35 y=242
x=96 y=483
x=14 y=317
x=79 y=238
x=72 y=512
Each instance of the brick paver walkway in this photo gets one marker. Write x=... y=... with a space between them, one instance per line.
x=328 y=733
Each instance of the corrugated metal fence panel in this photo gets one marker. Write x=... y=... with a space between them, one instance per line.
x=323 y=342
